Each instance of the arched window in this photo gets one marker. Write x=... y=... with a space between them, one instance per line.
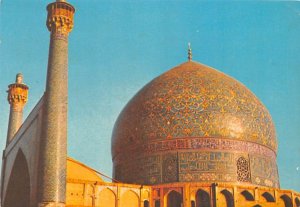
x=146 y=203
x=174 y=199
x=157 y=203
x=268 y=197
x=228 y=197
x=243 y=172
x=248 y=196
x=202 y=199
x=193 y=204
x=297 y=201
x=287 y=201
x=257 y=205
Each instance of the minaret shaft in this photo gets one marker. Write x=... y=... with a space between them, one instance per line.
x=54 y=133
x=53 y=152
x=15 y=121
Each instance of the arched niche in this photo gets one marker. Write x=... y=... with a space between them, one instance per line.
x=174 y=199
x=18 y=189
x=146 y=203
x=257 y=205
x=247 y=195
x=203 y=199
x=129 y=198
x=106 y=198
x=268 y=197
x=226 y=198
x=297 y=201
x=145 y=194
x=157 y=203
x=90 y=194
x=287 y=201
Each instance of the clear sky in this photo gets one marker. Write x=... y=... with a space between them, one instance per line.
x=117 y=47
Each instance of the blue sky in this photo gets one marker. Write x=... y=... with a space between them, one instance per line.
x=117 y=47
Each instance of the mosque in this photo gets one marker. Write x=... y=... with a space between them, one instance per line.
x=192 y=137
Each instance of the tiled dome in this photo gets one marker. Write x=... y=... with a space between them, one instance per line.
x=191 y=107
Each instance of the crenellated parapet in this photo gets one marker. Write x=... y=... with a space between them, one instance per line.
x=60 y=18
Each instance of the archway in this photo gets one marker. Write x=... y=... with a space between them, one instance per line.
x=268 y=197
x=202 y=199
x=106 y=198
x=297 y=201
x=174 y=199
x=130 y=198
x=146 y=203
x=287 y=201
x=18 y=189
x=248 y=196
x=157 y=203
x=228 y=198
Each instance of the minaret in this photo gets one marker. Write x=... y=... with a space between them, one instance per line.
x=53 y=152
x=17 y=98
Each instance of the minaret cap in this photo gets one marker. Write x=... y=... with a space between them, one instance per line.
x=19 y=78
x=17 y=92
x=189 y=52
x=60 y=20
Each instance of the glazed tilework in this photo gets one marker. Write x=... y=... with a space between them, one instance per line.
x=146 y=170
x=196 y=143
x=264 y=171
x=53 y=152
x=197 y=166
x=207 y=166
x=170 y=168
x=191 y=108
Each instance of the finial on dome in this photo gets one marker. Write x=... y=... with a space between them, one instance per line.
x=60 y=0
x=189 y=52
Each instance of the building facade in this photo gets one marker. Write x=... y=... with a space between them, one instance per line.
x=192 y=137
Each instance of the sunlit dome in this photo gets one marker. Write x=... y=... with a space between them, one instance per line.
x=186 y=112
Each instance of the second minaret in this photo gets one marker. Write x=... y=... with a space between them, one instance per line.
x=17 y=97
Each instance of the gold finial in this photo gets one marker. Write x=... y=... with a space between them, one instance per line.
x=60 y=0
x=189 y=52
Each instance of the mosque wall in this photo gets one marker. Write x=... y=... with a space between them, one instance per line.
x=22 y=151
x=101 y=194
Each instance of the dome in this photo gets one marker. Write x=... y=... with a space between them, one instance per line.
x=194 y=124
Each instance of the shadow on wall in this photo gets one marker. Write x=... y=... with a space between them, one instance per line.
x=18 y=189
